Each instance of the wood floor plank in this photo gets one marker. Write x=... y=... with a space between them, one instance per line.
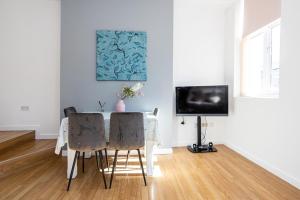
x=181 y=175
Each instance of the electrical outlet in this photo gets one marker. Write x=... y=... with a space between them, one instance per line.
x=204 y=124
x=24 y=108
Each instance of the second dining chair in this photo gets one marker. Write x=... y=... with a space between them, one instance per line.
x=69 y=110
x=155 y=113
x=87 y=134
x=126 y=133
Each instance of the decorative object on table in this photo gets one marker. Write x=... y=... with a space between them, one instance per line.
x=121 y=55
x=101 y=106
x=120 y=106
x=128 y=92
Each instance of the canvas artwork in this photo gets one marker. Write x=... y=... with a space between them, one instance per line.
x=121 y=55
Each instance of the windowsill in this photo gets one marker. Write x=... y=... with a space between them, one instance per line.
x=259 y=97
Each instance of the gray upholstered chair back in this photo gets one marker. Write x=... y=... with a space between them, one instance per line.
x=126 y=131
x=69 y=110
x=86 y=132
x=155 y=112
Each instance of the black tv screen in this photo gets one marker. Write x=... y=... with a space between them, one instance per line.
x=202 y=100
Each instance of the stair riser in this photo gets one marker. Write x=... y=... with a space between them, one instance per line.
x=4 y=146
x=18 y=164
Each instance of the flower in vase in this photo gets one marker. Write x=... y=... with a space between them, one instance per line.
x=130 y=92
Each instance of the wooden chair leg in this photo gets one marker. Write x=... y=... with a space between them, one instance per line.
x=102 y=169
x=72 y=170
x=83 y=154
x=106 y=158
x=141 y=163
x=127 y=157
x=96 y=156
x=113 y=169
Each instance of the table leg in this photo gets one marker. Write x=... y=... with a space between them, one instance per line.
x=71 y=154
x=149 y=157
x=88 y=155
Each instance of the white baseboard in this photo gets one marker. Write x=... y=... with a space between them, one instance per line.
x=19 y=127
x=184 y=144
x=274 y=170
x=162 y=151
x=46 y=136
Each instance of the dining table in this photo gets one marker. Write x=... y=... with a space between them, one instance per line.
x=151 y=139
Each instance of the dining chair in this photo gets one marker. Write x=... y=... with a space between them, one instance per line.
x=155 y=113
x=126 y=133
x=87 y=134
x=69 y=110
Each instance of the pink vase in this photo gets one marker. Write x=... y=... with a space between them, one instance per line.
x=120 y=106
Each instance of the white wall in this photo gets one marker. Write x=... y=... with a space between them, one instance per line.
x=29 y=64
x=198 y=59
x=267 y=130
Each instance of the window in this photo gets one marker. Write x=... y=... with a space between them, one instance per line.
x=261 y=62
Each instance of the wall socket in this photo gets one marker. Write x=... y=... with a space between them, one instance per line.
x=210 y=124
x=24 y=108
x=204 y=124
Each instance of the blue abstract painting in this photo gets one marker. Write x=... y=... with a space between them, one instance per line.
x=121 y=55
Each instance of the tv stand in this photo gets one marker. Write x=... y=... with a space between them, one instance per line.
x=199 y=147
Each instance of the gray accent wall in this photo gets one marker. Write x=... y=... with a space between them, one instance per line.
x=79 y=21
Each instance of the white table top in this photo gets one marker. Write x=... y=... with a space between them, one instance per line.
x=106 y=115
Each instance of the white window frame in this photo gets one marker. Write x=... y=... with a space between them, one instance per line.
x=266 y=89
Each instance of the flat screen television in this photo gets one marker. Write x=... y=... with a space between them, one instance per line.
x=202 y=100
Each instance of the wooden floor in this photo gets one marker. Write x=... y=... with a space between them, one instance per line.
x=181 y=175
